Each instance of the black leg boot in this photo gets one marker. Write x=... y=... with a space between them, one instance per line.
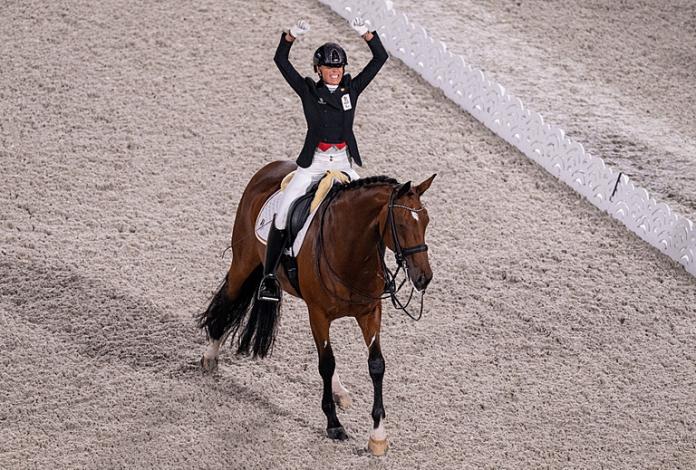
x=270 y=287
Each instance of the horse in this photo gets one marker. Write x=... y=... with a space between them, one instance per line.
x=341 y=273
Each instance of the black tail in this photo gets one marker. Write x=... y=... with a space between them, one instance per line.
x=260 y=328
x=226 y=315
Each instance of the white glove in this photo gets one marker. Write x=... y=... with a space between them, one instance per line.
x=359 y=25
x=299 y=29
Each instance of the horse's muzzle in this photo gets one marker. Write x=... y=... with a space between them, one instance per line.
x=422 y=281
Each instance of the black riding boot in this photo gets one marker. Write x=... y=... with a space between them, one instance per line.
x=270 y=287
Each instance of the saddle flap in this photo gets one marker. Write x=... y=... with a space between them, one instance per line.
x=299 y=212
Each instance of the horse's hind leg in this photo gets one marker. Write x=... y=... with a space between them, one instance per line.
x=327 y=367
x=228 y=308
x=370 y=326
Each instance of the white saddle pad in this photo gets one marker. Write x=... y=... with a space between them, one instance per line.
x=265 y=218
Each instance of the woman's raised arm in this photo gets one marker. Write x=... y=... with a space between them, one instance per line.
x=379 y=54
x=282 y=57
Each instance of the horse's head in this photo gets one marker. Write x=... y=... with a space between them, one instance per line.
x=406 y=222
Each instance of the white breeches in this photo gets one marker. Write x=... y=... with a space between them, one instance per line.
x=332 y=159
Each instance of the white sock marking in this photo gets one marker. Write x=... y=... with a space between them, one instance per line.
x=213 y=350
x=378 y=433
x=336 y=385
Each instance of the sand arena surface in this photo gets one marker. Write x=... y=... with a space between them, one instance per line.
x=553 y=337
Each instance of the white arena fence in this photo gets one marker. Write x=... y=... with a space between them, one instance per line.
x=509 y=118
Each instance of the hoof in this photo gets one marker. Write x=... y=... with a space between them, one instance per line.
x=343 y=401
x=338 y=433
x=208 y=365
x=377 y=448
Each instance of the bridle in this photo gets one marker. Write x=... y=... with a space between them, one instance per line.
x=400 y=254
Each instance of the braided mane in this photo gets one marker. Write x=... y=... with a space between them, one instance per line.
x=362 y=183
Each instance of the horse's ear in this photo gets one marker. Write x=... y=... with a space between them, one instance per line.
x=423 y=187
x=403 y=189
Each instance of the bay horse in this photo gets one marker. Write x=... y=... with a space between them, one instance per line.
x=341 y=273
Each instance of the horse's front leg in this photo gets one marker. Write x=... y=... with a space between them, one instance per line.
x=370 y=326
x=327 y=367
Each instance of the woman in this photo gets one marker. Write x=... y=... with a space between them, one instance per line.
x=329 y=108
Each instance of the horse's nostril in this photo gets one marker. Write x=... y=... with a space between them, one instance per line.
x=422 y=281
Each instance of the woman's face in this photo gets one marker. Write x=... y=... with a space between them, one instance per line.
x=331 y=75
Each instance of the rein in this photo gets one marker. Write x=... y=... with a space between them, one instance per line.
x=400 y=253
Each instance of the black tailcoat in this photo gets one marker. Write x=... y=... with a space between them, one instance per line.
x=327 y=119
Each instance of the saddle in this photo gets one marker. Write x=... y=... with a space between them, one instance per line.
x=300 y=216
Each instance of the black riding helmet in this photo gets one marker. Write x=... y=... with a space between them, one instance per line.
x=330 y=54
